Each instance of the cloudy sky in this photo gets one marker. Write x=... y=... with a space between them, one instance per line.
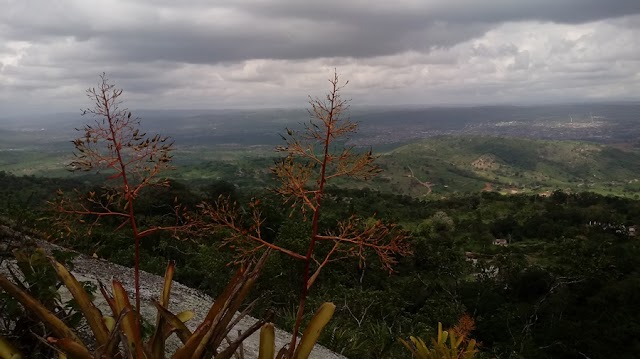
x=272 y=53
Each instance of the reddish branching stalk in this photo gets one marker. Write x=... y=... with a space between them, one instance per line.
x=466 y=324
x=311 y=160
x=114 y=144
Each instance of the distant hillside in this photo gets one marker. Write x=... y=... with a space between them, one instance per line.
x=438 y=166
x=445 y=165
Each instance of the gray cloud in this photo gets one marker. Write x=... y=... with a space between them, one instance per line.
x=415 y=13
x=275 y=52
x=207 y=32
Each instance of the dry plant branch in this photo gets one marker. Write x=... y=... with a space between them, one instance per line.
x=312 y=158
x=114 y=143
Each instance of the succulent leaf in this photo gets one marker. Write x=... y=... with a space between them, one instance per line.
x=314 y=328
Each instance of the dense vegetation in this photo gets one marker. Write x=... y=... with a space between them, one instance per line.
x=565 y=286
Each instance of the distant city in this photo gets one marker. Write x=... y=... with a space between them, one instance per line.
x=604 y=123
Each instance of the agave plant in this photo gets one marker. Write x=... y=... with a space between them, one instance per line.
x=123 y=326
x=454 y=349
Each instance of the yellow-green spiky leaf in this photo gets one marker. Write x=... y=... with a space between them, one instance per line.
x=313 y=330
x=174 y=324
x=130 y=324
x=185 y=316
x=156 y=344
x=8 y=351
x=34 y=306
x=186 y=351
x=91 y=314
x=267 y=342
x=109 y=322
x=71 y=349
x=421 y=346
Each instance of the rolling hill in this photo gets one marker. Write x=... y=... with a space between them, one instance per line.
x=445 y=165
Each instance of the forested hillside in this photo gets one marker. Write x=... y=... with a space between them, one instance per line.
x=568 y=271
x=448 y=165
x=453 y=165
x=525 y=248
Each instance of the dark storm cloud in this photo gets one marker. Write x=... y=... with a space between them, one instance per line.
x=181 y=46
x=240 y=30
x=413 y=13
x=203 y=53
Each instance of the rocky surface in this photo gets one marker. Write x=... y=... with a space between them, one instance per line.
x=182 y=297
